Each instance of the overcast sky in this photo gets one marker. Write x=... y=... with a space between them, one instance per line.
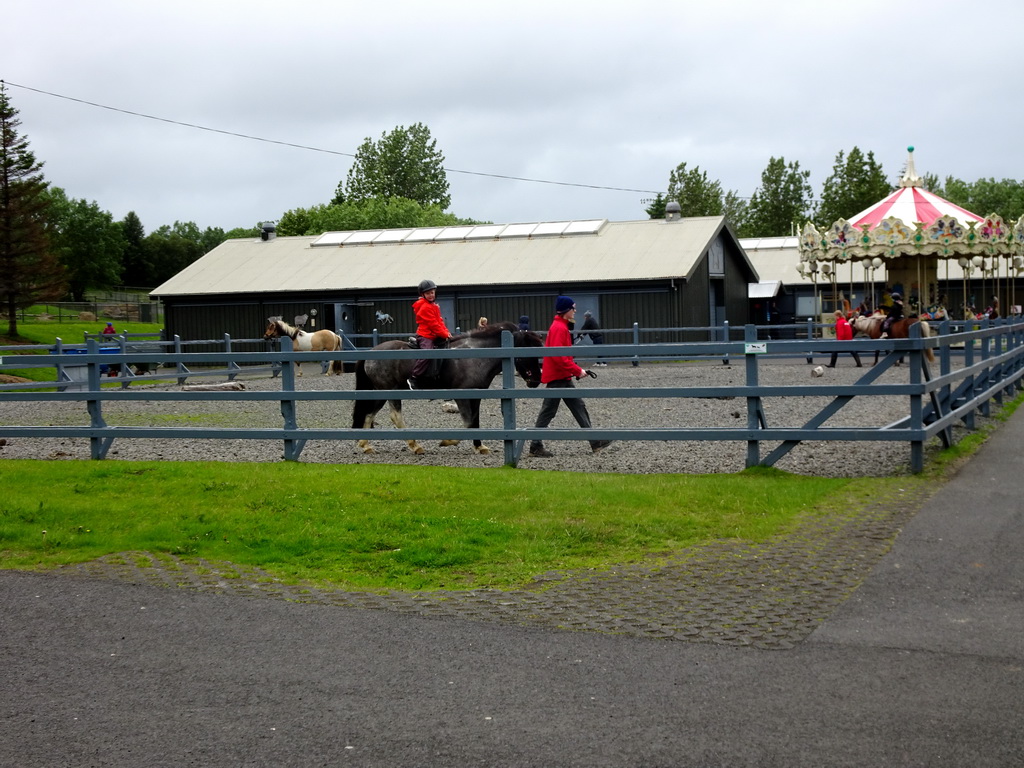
x=605 y=94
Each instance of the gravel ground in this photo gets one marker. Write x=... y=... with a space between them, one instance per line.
x=832 y=459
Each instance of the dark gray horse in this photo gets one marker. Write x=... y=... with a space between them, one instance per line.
x=462 y=373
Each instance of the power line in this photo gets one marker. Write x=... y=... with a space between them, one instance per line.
x=312 y=149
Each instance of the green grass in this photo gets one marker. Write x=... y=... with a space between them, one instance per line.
x=380 y=527
x=48 y=331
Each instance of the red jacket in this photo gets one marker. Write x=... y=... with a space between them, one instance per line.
x=429 y=322
x=557 y=368
x=843 y=330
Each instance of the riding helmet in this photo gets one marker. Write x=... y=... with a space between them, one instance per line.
x=897 y=297
x=427 y=285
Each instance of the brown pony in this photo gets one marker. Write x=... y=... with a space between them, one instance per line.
x=871 y=327
x=318 y=341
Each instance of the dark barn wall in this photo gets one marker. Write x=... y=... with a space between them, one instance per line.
x=737 y=277
x=192 y=320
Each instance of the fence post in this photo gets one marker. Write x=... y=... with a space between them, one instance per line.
x=986 y=374
x=61 y=376
x=810 y=337
x=183 y=370
x=292 y=447
x=233 y=367
x=725 y=339
x=97 y=445
x=508 y=404
x=755 y=411
x=636 y=342
x=917 y=363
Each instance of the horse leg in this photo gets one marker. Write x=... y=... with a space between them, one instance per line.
x=336 y=365
x=363 y=414
x=470 y=412
x=399 y=422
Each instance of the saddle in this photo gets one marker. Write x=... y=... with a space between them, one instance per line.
x=434 y=369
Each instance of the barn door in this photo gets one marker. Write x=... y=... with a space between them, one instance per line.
x=344 y=319
x=447 y=307
x=716 y=304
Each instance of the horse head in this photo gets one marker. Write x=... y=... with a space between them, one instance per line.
x=273 y=330
x=528 y=367
x=490 y=336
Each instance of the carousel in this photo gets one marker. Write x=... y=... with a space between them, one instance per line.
x=936 y=254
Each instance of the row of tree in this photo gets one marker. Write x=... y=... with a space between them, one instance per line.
x=784 y=201
x=53 y=246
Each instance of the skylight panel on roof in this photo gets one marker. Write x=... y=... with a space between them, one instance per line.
x=550 y=228
x=591 y=227
x=454 y=233
x=393 y=236
x=330 y=238
x=424 y=235
x=518 y=230
x=485 y=231
x=363 y=237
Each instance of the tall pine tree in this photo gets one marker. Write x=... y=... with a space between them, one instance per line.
x=29 y=272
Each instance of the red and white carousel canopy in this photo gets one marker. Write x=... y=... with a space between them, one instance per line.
x=912 y=205
x=911 y=222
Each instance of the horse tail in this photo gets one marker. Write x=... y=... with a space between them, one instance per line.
x=361 y=409
x=336 y=365
x=926 y=331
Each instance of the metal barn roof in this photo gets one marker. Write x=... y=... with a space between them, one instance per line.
x=547 y=252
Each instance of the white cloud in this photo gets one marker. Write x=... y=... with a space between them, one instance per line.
x=616 y=94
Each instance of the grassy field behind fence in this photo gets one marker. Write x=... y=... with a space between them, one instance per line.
x=48 y=331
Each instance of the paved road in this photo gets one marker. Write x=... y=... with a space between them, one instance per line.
x=922 y=666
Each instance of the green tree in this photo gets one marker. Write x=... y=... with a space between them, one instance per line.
x=374 y=213
x=696 y=194
x=403 y=163
x=857 y=182
x=172 y=248
x=984 y=196
x=137 y=270
x=87 y=241
x=28 y=270
x=735 y=209
x=782 y=203
x=656 y=210
x=242 y=232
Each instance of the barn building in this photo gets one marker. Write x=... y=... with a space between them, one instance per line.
x=661 y=273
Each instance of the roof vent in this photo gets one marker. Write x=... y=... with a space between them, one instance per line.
x=267 y=231
x=673 y=211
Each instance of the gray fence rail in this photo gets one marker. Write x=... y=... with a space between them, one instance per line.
x=989 y=367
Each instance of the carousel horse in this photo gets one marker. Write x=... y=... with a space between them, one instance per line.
x=453 y=373
x=318 y=341
x=871 y=327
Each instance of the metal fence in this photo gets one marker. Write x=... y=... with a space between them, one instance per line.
x=989 y=366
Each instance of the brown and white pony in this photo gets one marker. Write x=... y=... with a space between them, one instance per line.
x=871 y=327
x=303 y=341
